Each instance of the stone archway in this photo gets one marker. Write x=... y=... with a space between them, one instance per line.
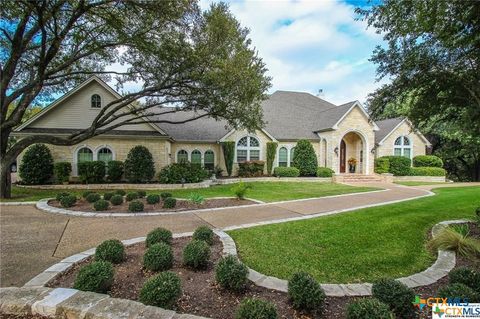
x=353 y=145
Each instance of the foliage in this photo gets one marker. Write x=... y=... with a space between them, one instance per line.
x=477 y=213
x=131 y=196
x=204 y=233
x=196 y=198
x=158 y=257
x=231 y=274
x=120 y=192
x=427 y=161
x=240 y=190
x=116 y=200
x=68 y=201
x=159 y=235
x=427 y=171
x=37 y=165
x=62 y=171
x=467 y=276
x=304 y=158
x=108 y=195
x=251 y=308
x=95 y=277
x=251 y=168
x=135 y=206
x=458 y=290
x=398 y=165
x=101 y=204
x=86 y=193
x=60 y=195
x=114 y=171
x=141 y=194
x=217 y=171
x=169 y=202
x=180 y=173
x=306 y=293
x=450 y=238
x=324 y=172
x=396 y=295
x=228 y=149
x=382 y=165
x=111 y=250
x=139 y=166
x=93 y=197
x=162 y=290
x=153 y=199
x=271 y=153
x=196 y=254
x=165 y=195
x=368 y=308
x=286 y=172
x=91 y=172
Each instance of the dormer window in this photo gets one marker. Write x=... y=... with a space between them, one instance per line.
x=96 y=101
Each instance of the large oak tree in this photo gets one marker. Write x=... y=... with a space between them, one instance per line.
x=181 y=56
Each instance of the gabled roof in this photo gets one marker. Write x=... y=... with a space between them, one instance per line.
x=388 y=126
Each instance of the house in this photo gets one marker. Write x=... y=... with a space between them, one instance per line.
x=337 y=132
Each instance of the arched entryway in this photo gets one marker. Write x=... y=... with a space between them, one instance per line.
x=352 y=151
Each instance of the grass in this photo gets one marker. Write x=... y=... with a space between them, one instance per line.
x=359 y=246
x=419 y=183
x=264 y=191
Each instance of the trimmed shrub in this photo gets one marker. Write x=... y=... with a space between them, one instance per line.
x=131 y=196
x=116 y=200
x=251 y=168
x=427 y=161
x=382 y=165
x=68 y=201
x=108 y=195
x=142 y=194
x=458 y=291
x=111 y=250
x=251 y=308
x=62 y=171
x=204 y=233
x=159 y=257
x=93 y=197
x=306 y=293
x=466 y=276
x=95 y=277
x=368 y=308
x=37 y=165
x=139 y=166
x=396 y=295
x=324 y=172
x=185 y=172
x=61 y=195
x=135 y=206
x=120 y=192
x=304 y=158
x=228 y=149
x=164 y=195
x=286 y=172
x=101 y=204
x=91 y=172
x=240 y=190
x=427 y=171
x=231 y=274
x=271 y=153
x=153 y=199
x=169 y=202
x=159 y=235
x=114 y=171
x=196 y=254
x=162 y=290
x=399 y=165
x=86 y=193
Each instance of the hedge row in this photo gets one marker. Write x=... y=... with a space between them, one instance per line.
x=402 y=166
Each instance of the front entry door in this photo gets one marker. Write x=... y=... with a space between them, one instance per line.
x=343 y=151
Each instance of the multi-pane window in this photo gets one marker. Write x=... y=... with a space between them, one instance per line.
x=105 y=154
x=182 y=156
x=402 y=147
x=84 y=155
x=196 y=157
x=248 y=149
x=209 y=160
x=282 y=157
x=96 y=101
x=292 y=150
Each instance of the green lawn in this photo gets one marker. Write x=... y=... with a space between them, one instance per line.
x=419 y=183
x=264 y=191
x=359 y=246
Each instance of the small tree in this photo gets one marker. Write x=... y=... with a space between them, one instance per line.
x=228 y=153
x=271 y=152
x=305 y=159
x=37 y=165
x=139 y=166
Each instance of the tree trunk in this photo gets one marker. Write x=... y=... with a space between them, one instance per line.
x=5 y=180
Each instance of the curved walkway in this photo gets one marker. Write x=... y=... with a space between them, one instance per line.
x=32 y=241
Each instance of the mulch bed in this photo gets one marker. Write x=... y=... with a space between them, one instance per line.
x=22 y=316
x=182 y=205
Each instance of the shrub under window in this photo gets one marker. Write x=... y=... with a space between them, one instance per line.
x=114 y=171
x=184 y=172
x=286 y=172
x=427 y=161
x=251 y=168
x=382 y=165
x=91 y=172
x=62 y=171
x=427 y=171
x=324 y=172
x=37 y=165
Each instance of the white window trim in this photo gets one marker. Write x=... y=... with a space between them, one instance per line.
x=289 y=153
x=91 y=97
x=176 y=155
x=402 y=147
x=97 y=150
x=248 y=148
x=214 y=157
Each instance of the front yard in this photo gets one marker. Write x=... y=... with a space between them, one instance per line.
x=360 y=246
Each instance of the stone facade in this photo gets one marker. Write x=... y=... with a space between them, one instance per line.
x=418 y=144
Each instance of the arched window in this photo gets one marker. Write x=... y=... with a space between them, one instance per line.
x=182 y=156
x=209 y=160
x=105 y=154
x=84 y=155
x=196 y=157
x=282 y=157
x=248 y=149
x=96 y=101
x=402 y=147
x=292 y=151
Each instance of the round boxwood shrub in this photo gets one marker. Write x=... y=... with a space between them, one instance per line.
x=114 y=171
x=135 y=206
x=68 y=201
x=306 y=293
x=159 y=235
x=131 y=196
x=458 y=291
x=142 y=194
x=139 y=166
x=96 y=277
x=159 y=257
x=231 y=274
x=153 y=199
x=165 y=195
x=120 y=192
x=427 y=161
x=162 y=290
x=368 y=308
x=169 y=202
x=396 y=295
x=62 y=171
x=324 y=172
x=101 y=204
x=86 y=193
x=466 y=276
x=116 y=200
x=93 y=197
x=111 y=250
x=251 y=308
x=204 y=233
x=61 y=195
x=286 y=172
x=304 y=158
x=108 y=195
x=196 y=254
x=37 y=165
